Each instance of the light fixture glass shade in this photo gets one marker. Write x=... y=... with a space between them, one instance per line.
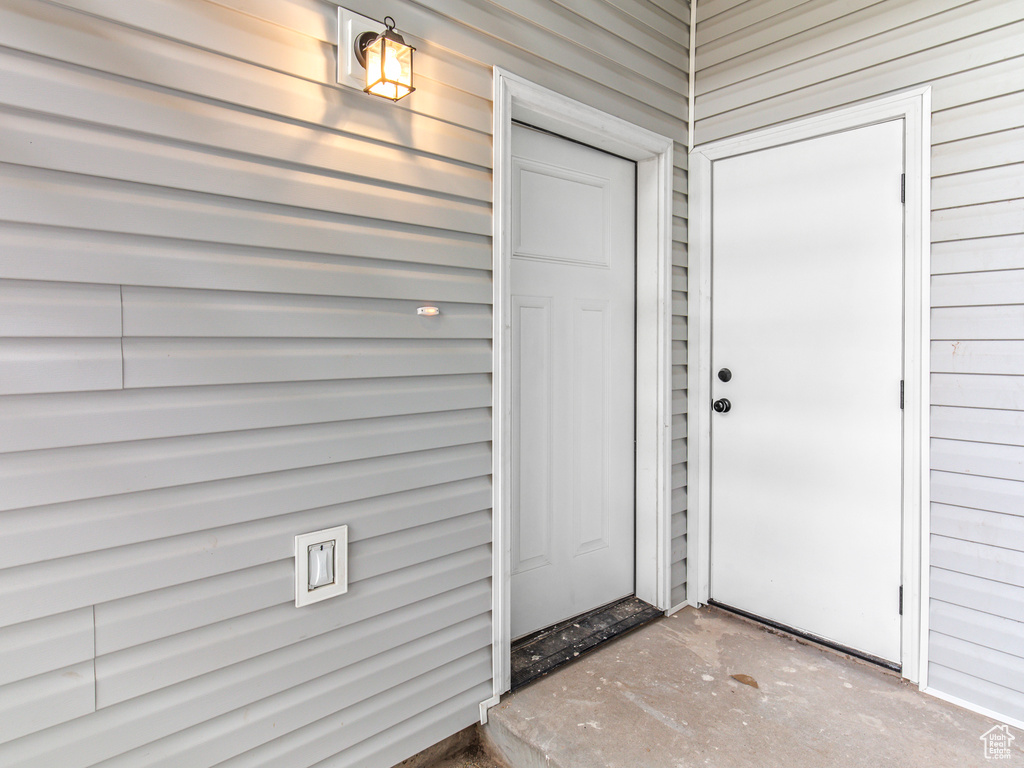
x=389 y=66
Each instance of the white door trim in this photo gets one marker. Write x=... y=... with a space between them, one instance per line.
x=914 y=107
x=516 y=98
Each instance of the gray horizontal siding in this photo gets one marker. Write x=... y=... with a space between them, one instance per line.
x=42 y=477
x=123 y=675
x=162 y=362
x=61 y=420
x=397 y=675
x=977 y=255
x=89 y=525
x=197 y=314
x=975 y=593
x=210 y=261
x=53 y=642
x=761 y=63
x=149 y=257
x=679 y=404
x=112 y=731
x=978 y=391
x=59 y=309
x=54 y=697
x=32 y=365
x=69 y=201
x=87 y=151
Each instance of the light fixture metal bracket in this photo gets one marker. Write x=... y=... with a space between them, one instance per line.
x=351 y=27
x=362 y=42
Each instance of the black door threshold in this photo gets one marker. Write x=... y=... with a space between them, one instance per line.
x=535 y=655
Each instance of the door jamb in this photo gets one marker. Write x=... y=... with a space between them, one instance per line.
x=517 y=98
x=913 y=106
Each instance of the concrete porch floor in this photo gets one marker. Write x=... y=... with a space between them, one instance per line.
x=664 y=697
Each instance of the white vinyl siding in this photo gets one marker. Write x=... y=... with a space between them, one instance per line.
x=210 y=261
x=761 y=63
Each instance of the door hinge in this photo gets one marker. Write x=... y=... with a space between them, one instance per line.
x=902 y=381
x=901 y=599
x=903 y=188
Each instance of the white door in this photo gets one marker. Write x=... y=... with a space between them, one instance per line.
x=807 y=313
x=572 y=286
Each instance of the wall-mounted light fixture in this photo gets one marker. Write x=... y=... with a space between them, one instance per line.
x=387 y=60
x=428 y=311
x=373 y=57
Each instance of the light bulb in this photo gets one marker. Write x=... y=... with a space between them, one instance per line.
x=392 y=66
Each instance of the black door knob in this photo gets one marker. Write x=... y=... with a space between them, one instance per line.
x=725 y=374
x=722 y=406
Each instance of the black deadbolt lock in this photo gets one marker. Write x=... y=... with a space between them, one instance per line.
x=725 y=374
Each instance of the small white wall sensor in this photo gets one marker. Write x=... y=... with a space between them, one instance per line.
x=321 y=565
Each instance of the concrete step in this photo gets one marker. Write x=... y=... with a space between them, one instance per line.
x=515 y=746
x=707 y=688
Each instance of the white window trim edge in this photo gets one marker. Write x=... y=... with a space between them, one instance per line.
x=515 y=97
x=914 y=107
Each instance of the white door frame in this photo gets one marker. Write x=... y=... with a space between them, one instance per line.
x=914 y=107
x=519 y=99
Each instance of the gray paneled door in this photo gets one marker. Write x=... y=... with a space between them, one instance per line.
x=573 y=351
x=807 y=313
